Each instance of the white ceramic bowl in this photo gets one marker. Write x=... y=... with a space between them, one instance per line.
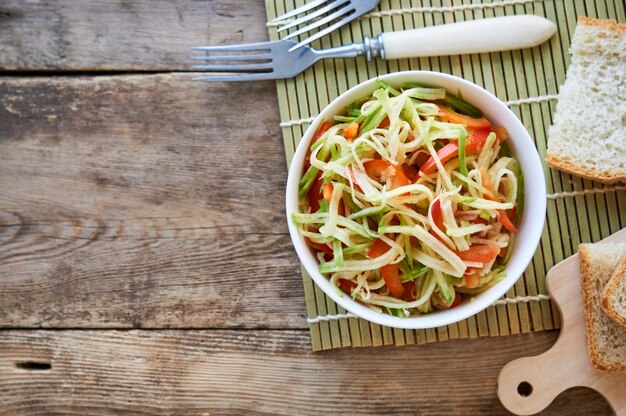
x=529 y=228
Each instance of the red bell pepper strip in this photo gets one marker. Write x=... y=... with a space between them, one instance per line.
x=480 y=253
x=438 y=220
x=307 y=163
x=506 y=221
x=314 y=195
x=351 y=131
x=457 y=300
x=437 y=216
x=454 y=117
x=501 y=133
x=324 y=248
x=390 y=273
x=378 y=249
x=487 y=184
x=476 y=140
x=421 y=158
x=323 y=127
x=409 y=172
x=347 y=285
x=381 y=169
x=503 y=218
x=471 y=280
x=327 y=191
x=474 y=144
x=408 y=291
x=449 y=151
x=479 y=220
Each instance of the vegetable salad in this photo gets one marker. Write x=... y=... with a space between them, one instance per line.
x=410 y=200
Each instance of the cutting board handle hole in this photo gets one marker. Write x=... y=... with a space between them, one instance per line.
x=524 y=389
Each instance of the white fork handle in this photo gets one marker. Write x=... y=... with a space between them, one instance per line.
x=487 y=35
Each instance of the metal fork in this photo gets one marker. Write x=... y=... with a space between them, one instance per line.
x=272 y=60
x=334 y=13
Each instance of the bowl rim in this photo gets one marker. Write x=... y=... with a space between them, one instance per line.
x=531 y=223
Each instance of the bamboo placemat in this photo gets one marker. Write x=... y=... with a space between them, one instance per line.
x=528 y=81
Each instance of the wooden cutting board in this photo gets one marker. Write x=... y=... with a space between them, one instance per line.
x=528 y=385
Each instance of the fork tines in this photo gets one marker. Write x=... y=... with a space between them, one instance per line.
x=322 y=12
x=250 y=62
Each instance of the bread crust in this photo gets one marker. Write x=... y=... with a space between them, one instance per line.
x=554 y=161
x=592 y=348
x=611 y=287
x=587 y=285
x=604 y=23
x=583 y=171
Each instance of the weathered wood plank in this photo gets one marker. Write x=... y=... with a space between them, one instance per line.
x=258 y=372
x=120 y=35
x=143 y=201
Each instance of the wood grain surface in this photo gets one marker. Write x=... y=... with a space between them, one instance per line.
x=148 y=201
x=256 y=372
x=143 y=201
x=120 y=35
x=567 y=363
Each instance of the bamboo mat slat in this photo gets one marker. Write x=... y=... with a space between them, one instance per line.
x=572 y=217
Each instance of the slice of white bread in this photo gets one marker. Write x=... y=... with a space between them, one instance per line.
x=588 y=135
x=613 y=300
x=606 y=339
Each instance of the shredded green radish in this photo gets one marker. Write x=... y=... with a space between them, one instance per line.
x=408 y=204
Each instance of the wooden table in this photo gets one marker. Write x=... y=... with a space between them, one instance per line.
x=145 y=264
